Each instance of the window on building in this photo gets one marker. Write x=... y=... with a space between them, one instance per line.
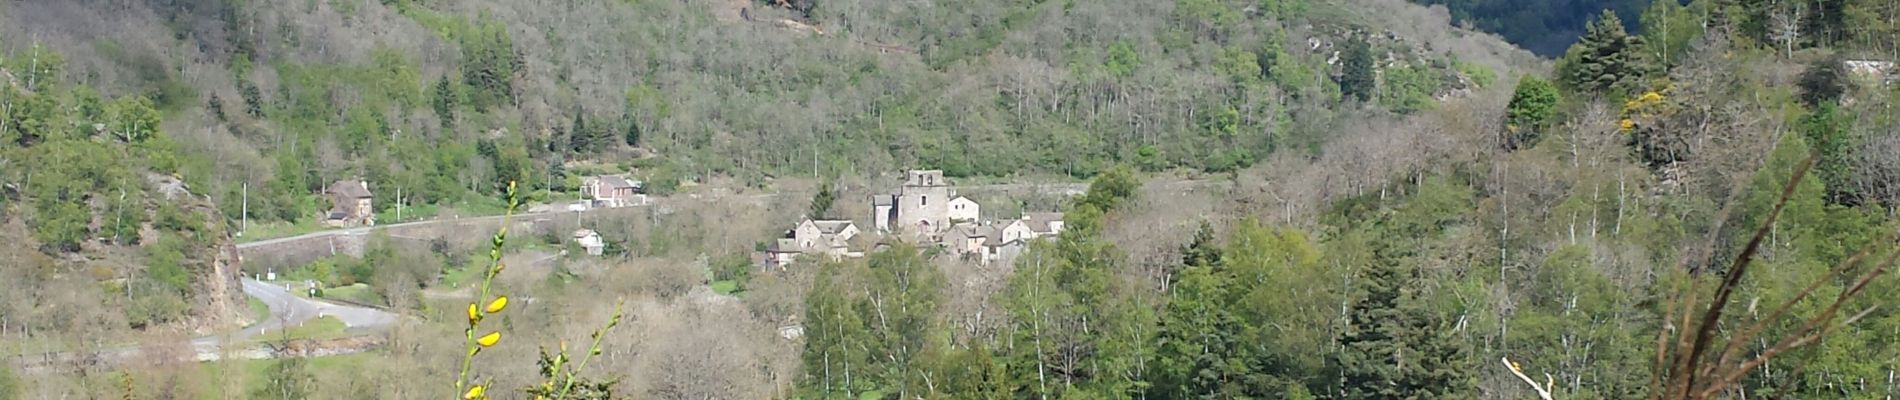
x=923 y=200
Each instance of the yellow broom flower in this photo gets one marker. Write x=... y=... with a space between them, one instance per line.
x=476 y=392
x=489 y=340
x=498 y=304
x=474 y=315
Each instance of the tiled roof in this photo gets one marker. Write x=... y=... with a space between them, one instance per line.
x=1039 y=222
x=832 y=227
x=614 y=182
x=783 y=246
x=353 y=189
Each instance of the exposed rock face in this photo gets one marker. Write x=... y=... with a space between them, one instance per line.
x=217 y=263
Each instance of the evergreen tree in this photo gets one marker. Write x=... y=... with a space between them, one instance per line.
x=444 y=102
x=1201 y=251
x=1605 y=60
x=821 y=202
x=1825 y=22
x=1824 y=81
x=579 y=138
x=253 y=98
x=1358 y=78
x=489 y=63
x=1394 y=348
x=632 y=136
x=216 y=106
x=1196 y=347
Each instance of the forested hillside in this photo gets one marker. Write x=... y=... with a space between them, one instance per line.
x=1338 y=199
x=442 y=99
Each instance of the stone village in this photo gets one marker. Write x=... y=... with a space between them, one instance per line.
x=922 y=210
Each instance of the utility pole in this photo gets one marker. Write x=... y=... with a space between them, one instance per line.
x=244 y=217
x=399 y=204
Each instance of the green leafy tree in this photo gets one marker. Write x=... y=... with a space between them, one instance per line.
x=38 y=68
x=870 y=328
x=1112 y=188
x=1829 y=130
x=1358 y=76
x=1076 y=329
x=1532 y=108
x=31 y=121
x=1286 y=303
x=1122 y=59
x=1409 y=88
x=1669 y=27
x=133 y=119
x=967 y=373
x=286 y=379
x=9 y=383
x=1606 y=60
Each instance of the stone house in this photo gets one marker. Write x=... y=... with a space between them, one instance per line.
x=988 y=242
x=818 y=237
x=920 y=206
x=962 y=209
x=997 y=250
x=965 y=239
x=782 y=252
x=612 y=191
x=350 y=204
x=1043 y=223
x=590 y=241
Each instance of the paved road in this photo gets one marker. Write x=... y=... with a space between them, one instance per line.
x=287 y=309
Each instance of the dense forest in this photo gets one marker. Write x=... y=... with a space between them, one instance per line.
x=1338 y=199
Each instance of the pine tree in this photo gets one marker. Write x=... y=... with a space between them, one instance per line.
x=1202 y=250
x=579 y=139
x=1605 y=60
x=821 y=202
x=1824 y=81
x=1394 y=346
x=1357 y=77
x=1197 y=349
x=444 y=102
x=632 y=135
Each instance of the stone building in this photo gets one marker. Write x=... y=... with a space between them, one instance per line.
x=833 y=239
x=349 y=204
x=920 y=206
